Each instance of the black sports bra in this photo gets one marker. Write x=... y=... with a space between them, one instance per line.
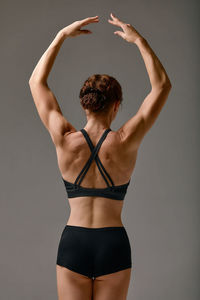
x=116 y=192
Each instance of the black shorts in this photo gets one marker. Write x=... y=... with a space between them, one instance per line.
x=94 y=251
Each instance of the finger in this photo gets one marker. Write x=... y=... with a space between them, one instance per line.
x=87 y=23
x=120 y=33
x=115 y=21
x=115 y=18
x=89 y=20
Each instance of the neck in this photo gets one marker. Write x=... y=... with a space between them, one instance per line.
x=97 y=123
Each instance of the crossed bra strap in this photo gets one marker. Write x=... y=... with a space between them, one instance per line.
x=94 y=155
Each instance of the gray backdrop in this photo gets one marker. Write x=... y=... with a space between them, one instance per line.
x=161 y=209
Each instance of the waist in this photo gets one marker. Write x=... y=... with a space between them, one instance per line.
x=95 y=212
x=87 y=218
x=93 y=225
x=94 y=229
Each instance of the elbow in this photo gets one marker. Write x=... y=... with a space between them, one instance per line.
x=33 y=81
x=30 y=80
x=163 y=85
x=168 y=84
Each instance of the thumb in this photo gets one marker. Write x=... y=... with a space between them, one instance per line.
x=85 y=31
x=120 y=33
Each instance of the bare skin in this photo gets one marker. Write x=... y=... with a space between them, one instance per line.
x=74 y=286
x=118 y=154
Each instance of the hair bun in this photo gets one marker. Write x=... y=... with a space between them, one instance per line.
x=92 y=90
x=94 y=103
x=99 y=92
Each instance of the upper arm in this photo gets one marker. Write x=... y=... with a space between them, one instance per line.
x=133 y=131
x=50 y=112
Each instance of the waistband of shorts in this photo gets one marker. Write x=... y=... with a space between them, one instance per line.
x=81 y=228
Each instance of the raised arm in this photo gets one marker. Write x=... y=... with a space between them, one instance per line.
x=45 y=101
x=133 y=131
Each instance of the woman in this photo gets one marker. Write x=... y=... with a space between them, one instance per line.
x=96 y=163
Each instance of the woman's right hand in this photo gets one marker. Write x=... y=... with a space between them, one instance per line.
x=129 y=33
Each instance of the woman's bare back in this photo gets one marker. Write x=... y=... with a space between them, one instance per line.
x=118 y=161
x=72 y=156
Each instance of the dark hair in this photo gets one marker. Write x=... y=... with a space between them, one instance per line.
x=99 y=91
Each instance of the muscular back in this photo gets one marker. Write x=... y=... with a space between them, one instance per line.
x=114 y=154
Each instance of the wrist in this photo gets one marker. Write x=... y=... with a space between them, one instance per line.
x=140 y=40
x=62 y=35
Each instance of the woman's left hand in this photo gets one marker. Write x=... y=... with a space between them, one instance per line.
x=74 y=29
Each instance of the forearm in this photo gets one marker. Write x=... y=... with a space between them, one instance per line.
x=44 y=65
x=157 y=74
